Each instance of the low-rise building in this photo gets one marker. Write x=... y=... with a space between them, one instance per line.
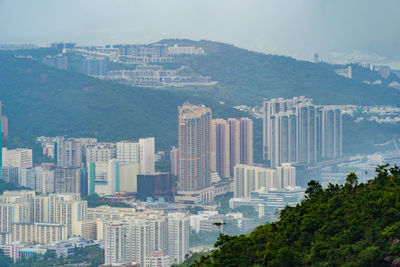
x=20 y=157
x=272 y=200
x=157 y=259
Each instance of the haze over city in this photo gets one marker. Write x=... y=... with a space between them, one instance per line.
x=341 y=31
x=177 y=133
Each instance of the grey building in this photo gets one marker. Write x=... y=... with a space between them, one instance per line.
x=296 y=131
x=58 y=62
x=10 y=174
x=95 y=66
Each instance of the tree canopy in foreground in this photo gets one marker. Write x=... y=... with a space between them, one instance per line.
x=355 y=224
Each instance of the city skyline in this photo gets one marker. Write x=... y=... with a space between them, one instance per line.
x=155 y=133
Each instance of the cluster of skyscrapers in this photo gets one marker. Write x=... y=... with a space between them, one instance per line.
x=54 y=211
x=108 y=168
x=128 y=236
x=206 y=146
x=43 y=219
x=296 y=131
x=232 y=144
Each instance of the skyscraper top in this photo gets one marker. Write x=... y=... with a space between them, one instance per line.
x=189 y=111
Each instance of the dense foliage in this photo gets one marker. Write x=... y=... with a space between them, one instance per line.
x=191 y=259
x=5 y=186
x=343 y=225
x=40 y=100
x=95 y=201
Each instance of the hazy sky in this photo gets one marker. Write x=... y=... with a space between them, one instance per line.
x=338 y=29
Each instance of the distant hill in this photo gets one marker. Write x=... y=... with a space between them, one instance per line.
x=40 y=100
x=343 y=225
x=246 y=77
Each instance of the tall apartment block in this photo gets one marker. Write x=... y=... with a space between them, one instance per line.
x=141 y=152
x=67 y=180
x=246 y=141
x=194 y=129
x=231 y=144
x=220 y=148
x=53 y=179
x=27 y=178
x=178 y=237
x=10 y=174
x=114 y=242
x=44 y=179
x=135 y=238
x=147 y=155
x=295 y=130
x=68 y=152
x=27 y=217
x=234 y=143
x=330 y=145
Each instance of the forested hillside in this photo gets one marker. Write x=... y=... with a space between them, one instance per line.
x=246 y=77
x=342 y=225
x=40 y=100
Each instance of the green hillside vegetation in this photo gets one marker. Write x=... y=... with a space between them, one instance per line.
x=342 y=225
x=95 y=201
x=40 y=100
x=246 y=77
x=5 y=186
x=363 y=74
x=367 y=136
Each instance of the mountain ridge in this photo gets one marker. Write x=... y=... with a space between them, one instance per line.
x=246 y=77
x=40 y=100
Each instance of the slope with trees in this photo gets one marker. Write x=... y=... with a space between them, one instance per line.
x=40 y=100
x=342 y=225
x=246 y=77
